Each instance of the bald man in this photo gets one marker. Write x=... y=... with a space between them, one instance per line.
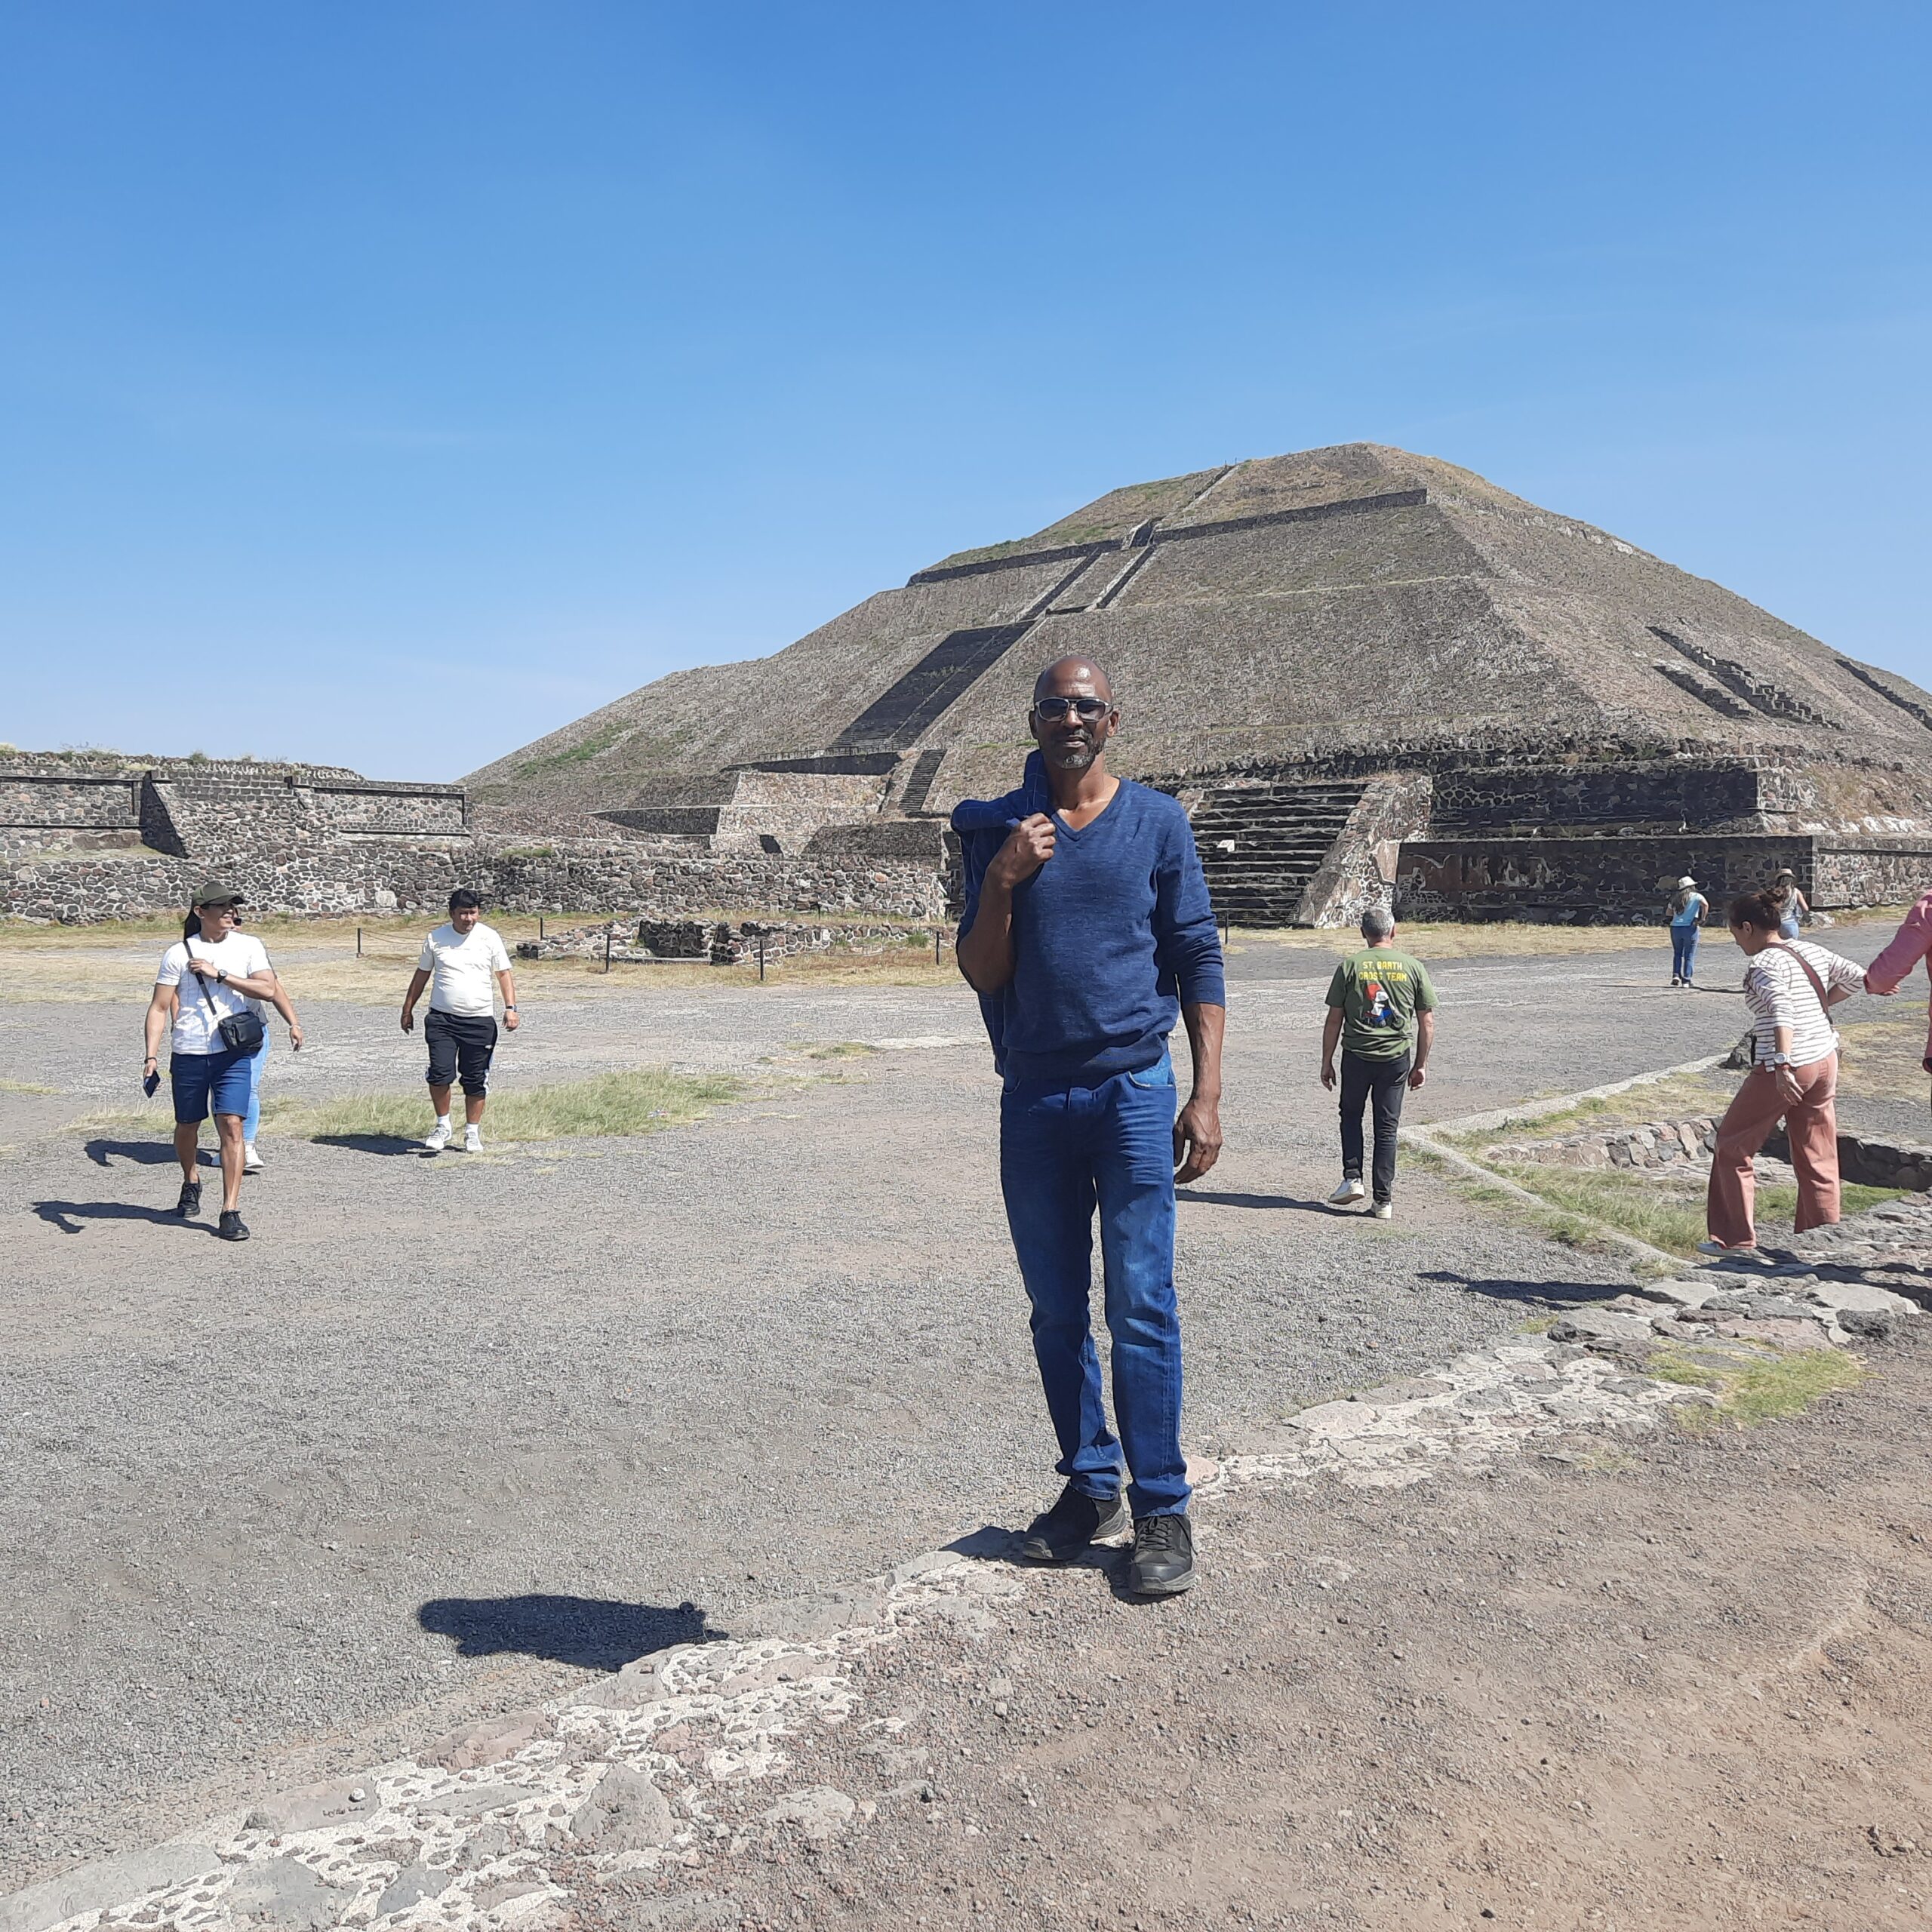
x=1088 y=933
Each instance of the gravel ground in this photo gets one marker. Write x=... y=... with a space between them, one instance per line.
x=445 y=1432
x=1682 y=1689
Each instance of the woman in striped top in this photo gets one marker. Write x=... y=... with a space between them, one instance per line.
x=1790 y=987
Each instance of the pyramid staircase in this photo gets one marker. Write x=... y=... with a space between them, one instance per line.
x=1279 y=835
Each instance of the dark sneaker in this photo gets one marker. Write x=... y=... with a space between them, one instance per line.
x=1071 y=1525
x=233 y=1227
x=1163 y=1556
x=189 y=1205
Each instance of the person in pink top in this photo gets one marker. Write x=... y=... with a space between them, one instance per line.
x=1909 y=946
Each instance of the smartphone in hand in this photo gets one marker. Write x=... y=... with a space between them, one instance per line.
x=151 y=1085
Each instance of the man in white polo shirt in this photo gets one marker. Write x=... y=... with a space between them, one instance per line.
x=458 y=961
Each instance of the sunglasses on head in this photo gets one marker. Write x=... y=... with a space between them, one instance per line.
x=1054 y=708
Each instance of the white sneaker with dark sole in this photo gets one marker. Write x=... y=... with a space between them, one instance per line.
x=438 y=1141
x=473 y=1141
x=252 y=1162
x=1350 y=1194
x=1382 y=1211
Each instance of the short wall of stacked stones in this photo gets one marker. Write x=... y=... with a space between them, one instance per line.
x=76 y=891
x=1652 y=1144
x=680 y=884
x=720 y=942
x=1599 y=881
x=379 y=876
x=1708 y=795
x=1863 y=1158
x=1881 y=872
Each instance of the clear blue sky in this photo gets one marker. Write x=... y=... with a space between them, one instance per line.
x=386 y=383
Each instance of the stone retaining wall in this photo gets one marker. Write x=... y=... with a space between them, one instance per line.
x=1588 y=880
x=1864 y=1159
x=719 y=942
x=1653 y=1144
x=1705 y=794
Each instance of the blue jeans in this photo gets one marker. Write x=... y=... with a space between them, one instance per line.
x=1683 y=951
x=1063 y=1151
x=252 y=1120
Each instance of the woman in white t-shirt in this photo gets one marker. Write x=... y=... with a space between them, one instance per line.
x=1790 y=986
x=212 y=974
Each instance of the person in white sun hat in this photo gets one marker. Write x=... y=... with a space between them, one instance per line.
x=1688 y=907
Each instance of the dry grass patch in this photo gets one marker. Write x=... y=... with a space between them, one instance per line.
x=1634 y=1203
x=1881 y=1061
x=1780 y=1387
x=643 y=1101
x=1683 y=1097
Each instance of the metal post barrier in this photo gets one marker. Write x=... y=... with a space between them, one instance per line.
x=358 y=942
x=607 y=949
x=935 y=946
x=761 y=959
x=540 y=925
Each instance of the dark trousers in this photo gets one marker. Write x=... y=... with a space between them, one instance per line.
x=1384 y=1082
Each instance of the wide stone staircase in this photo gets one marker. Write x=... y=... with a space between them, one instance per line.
x=1260 y=845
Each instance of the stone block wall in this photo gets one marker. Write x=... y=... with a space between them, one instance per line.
x=1600 y=881
x=222 y=818
x=680 y=884
x=1361 y=869
x=1701 y=797
x=1870 y=872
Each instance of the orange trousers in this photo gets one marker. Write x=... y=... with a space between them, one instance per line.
x=1812 y=1128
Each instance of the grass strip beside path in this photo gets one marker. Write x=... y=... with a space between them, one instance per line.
x=1624 y=1200
x=1755 y=1392
x=643 y=1101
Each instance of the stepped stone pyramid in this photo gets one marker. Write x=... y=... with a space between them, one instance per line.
x=1359 y=668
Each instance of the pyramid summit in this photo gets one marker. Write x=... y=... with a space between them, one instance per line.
x=1291 y=625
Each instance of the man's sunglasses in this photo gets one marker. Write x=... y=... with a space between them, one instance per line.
x=1054 y=708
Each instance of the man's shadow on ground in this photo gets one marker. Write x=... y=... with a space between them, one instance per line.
x=1546 y=1294
x=593 y=1633
x=374 y=1144
x=1219 y=1200
x=67 y=1216
x=142 y=1153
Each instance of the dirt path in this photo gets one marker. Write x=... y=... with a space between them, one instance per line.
x=1683 y=1686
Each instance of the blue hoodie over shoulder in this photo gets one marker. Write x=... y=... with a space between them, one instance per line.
x=1109 y=936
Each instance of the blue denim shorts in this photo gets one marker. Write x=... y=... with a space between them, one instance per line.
x=209 y=1083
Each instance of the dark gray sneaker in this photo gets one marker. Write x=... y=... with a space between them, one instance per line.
x=189 y=1205
x=1163 y=1555
x=233 y=1227
x=1071 y=1525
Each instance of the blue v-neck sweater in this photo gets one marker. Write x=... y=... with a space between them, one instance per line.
x=1109 y=936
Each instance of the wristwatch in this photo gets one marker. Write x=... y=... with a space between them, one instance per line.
x=509 y=1006
x=1778 y=1060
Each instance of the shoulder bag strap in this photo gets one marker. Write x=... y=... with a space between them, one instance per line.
x=1817 y=984
x=188 y=947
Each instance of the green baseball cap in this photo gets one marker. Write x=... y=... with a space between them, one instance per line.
x=217 y=895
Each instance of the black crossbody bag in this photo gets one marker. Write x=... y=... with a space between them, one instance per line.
x=241 y=1032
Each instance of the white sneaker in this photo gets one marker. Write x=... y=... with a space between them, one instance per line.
x=1349 y=1193
x=1382 y=1211
x=438 y=1141
x=473 y=1140
x=252 y=1162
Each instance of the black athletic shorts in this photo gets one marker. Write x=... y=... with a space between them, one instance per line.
x=460 y=1042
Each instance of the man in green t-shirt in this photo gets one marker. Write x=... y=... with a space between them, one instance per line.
x=1382 y=1010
